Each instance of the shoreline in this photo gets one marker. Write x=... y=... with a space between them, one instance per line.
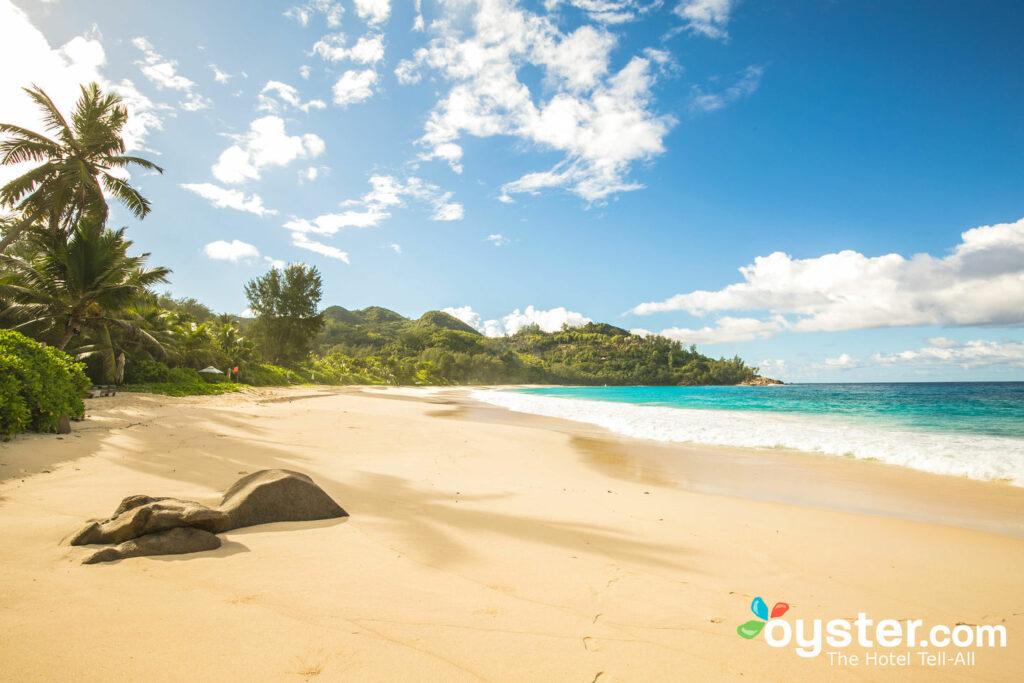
x=483 y=545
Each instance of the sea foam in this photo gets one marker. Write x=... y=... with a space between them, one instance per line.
x=974 y=456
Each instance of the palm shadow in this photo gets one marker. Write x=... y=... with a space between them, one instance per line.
x=430 y=519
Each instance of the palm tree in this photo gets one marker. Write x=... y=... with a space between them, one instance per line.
x=85 y=284
x=79 y=162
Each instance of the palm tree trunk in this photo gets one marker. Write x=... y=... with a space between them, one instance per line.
x=66 y=338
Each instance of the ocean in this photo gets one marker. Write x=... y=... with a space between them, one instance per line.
x=972 y=429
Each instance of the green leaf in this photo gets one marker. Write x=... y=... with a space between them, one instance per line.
x=750 y=629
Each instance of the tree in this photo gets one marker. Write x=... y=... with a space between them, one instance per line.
x=285 y=305
x=79 y=162
x=82 y=285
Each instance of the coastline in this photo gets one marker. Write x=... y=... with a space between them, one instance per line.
x=483 y=545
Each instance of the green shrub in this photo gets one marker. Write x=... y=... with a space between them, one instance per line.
x=38 y=384
x=145 y=371
x=183 y=376
x=263 y=375
x=196 y=388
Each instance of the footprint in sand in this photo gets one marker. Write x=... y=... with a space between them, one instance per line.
x=590 y=644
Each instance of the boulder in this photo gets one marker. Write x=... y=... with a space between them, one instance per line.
x=139 y=515
x=276 y=496
x=168 y=542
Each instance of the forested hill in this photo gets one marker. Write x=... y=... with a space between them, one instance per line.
x=440 y=348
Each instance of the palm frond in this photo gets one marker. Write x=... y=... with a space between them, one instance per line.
x=128 y=195
x=51 y=115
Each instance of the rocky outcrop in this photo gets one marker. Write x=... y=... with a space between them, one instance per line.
x=140 y=515
x=759 y=381
x=147 y=525
x=277 y=496
x=170 y=542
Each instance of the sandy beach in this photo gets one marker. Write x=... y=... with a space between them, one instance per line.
x=482 y=545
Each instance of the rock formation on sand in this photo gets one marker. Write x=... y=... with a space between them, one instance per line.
x=184 y=539
x=140 y=515
x=144 y=525
x=276 y=496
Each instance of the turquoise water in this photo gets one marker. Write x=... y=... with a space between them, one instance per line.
x=984 y=408
x=973 y=429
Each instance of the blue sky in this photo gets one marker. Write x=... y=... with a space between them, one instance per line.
x=563 y=160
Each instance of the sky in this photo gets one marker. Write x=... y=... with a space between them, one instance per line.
x=834 y=191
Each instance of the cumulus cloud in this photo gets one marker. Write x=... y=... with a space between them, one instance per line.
x=368 y=49
x=980 y=283
x=265 y=144
x=60 y=71
x=601 y=120
x=224 y=198
x=727 y=329
x=373 y=11
x=354 y=86
x=163 y=73
x=972 y=354
x=746 y=84
x=608 y=11
x=551 y=320
x=497 y=239
x=233 y=251
x=374 y=207
x=275 y=95
x=706 y=17
x=941 y=352
x=331 y=11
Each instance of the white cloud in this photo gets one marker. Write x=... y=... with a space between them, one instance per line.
x=981 y=283
x=397 y=248
x=224 y=198
x=220 y=76
x=601 y=121
x=726 y=329
x=354 y=86
x=842 y=362
x=706 y=17
x=369 y=49
x=275 y=93
x=300 y=240
x=276 y=264
x=748 y=82
x=60 y=71
x=310 y=174
x=609 y=11
x=331 y=223
x=163 y=73
x=941 y=342
x=374 y=207
x=331 y=11
x=233 y=251
x=497 y=239
x=373 y=11
x=265 y=144
x=304 y=72
x=972 y=354
x=550 y=320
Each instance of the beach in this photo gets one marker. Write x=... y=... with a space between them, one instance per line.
x=484 y=545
